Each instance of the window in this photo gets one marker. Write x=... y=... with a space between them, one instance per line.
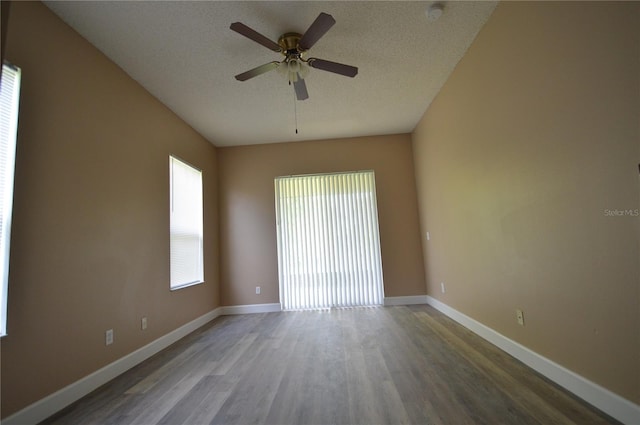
x=328 y=241
x=185 y=224
x=9 y=98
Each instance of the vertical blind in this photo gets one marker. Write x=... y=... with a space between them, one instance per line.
x=9 y=99
x=328 y=241
x=186 y=224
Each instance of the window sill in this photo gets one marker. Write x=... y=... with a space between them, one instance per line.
x=186 y=285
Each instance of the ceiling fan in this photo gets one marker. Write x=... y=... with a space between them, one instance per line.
x=294 y=46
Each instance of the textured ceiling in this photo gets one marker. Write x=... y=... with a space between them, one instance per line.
x=185 y=54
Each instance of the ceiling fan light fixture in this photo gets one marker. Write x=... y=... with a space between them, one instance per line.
x=304 y=70
x=293 y=69
x=293 y=65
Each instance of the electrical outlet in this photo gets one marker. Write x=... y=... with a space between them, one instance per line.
x=144 y=323
x=257 y=290
x=108 y=337
x=520 y=317
x=428 y=237
x=442 y=287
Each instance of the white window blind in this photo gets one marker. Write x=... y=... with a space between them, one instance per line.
x=328 y=241
x=186 y=224
x=9 y=99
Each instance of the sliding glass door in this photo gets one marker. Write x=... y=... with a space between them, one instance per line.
x=328 y=241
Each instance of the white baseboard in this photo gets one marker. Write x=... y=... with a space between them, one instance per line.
x=605 y=400
x=250 y=308
x=612 y=404
x=406 y=300
x=57 y=401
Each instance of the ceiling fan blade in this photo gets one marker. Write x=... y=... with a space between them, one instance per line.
x=257 y=71
x=241 y=28
x=335 y=67
x=318 y=28
x=301 y=89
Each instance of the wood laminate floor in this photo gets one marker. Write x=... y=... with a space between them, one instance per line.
x=376 y=365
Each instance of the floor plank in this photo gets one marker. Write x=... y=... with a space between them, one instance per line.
x=369 y=365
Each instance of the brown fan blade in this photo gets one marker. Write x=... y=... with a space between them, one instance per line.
x=320 y=26
x=257 y=71
x=301 y=89
x=241 y=28
x=335 y=67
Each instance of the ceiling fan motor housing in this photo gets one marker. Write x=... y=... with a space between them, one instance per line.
x=289 y=44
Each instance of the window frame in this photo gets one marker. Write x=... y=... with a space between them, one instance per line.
x=7 y=182
x=173 y=159
x=328 y=240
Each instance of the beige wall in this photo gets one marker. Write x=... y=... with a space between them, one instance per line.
x=247 y=215
x=90 y=237
x=533 y=137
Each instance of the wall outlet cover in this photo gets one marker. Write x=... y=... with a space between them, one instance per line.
x=108 y=337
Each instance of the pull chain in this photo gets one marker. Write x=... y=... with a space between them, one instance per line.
x=295 y=109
